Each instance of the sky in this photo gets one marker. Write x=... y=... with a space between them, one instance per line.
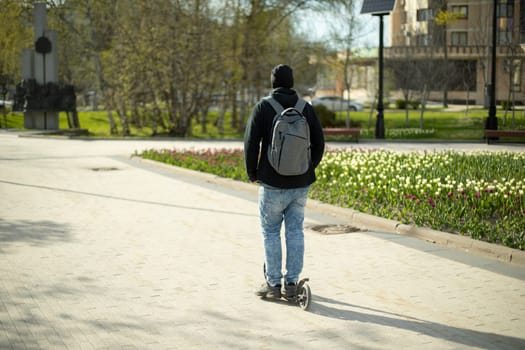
x=318 y=26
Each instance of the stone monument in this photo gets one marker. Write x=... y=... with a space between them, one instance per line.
x=39 y=95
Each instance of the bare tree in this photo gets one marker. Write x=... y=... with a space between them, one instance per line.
x=404 y=72
x=481 y=41
x=445 y=18
x=349 y=28
x=265 y=30
x=14 y=36
x=163 y=63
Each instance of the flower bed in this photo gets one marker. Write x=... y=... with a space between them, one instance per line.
x=225 y=162
x=478 y=194
x=399 y=133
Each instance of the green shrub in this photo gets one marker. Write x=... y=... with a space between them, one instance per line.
x=415 y=104
x=326 y=116
x=401 y=104
x=341 y=122
x=506 y=105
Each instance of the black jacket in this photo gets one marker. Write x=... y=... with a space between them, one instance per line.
x=258 y=134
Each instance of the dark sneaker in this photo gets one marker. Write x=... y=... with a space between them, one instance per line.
x=267 y=291
x=290 y=290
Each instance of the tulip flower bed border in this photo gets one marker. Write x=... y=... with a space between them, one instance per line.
x=478 y=194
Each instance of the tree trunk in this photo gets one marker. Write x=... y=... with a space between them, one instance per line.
x=423 y=105
x=371 y=114
x=467 y=104
x=509 y=93
x=99 y=73
x=204 y=120
x=123 y=116
x=136 y=116
x=407 y=99
x=220 y=119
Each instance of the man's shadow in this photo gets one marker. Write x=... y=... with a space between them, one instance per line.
x=344 y=311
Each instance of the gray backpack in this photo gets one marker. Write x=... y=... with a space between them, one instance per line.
x=289 y=149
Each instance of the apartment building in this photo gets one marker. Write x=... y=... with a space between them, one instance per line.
x=446 y=45
x=361 y=73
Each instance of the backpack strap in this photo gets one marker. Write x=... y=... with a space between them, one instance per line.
x=278 y=108
x=275 y=104
x=300 y=105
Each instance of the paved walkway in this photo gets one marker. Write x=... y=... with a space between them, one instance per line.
x=100 y=251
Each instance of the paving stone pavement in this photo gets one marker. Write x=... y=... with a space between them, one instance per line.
x=101 y=251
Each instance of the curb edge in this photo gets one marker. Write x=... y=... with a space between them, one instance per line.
x=368 y=221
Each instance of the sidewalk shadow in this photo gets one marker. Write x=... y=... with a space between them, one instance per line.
x=35 y=233
x=135 y=200
x=348 y=312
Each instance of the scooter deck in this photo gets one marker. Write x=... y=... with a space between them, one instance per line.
x=303 y=297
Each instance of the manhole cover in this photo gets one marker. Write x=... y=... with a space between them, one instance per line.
x=104 y=169
x=335 y=229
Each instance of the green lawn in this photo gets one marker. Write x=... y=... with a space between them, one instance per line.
x=438 y=125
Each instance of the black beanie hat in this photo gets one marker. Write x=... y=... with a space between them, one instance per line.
x=282 y=76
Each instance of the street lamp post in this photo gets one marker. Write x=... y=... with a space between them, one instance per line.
x=492 y=121
x=379 y=8
x=380 y=118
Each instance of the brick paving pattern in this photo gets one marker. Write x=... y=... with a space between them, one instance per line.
x=100 y=251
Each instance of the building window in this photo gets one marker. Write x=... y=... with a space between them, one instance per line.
x=505 y=30
x=522 y=24
x=460 y=10
x=505 y=14
x=505 y=8
x=424 y=15
x=423 y=40
x=516 y=76
x=459 y=38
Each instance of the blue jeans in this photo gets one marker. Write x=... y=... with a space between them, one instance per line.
x=276 y=205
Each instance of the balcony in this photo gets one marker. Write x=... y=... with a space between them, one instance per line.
x=458 y=52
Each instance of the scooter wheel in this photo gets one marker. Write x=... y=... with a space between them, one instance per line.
x=304 y=296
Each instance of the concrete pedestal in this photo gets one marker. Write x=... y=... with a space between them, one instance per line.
x=41 y=120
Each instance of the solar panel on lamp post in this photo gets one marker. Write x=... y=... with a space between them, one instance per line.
x=379 y=8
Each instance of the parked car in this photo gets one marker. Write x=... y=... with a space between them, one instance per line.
x=337 y=104
x=4 y=103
